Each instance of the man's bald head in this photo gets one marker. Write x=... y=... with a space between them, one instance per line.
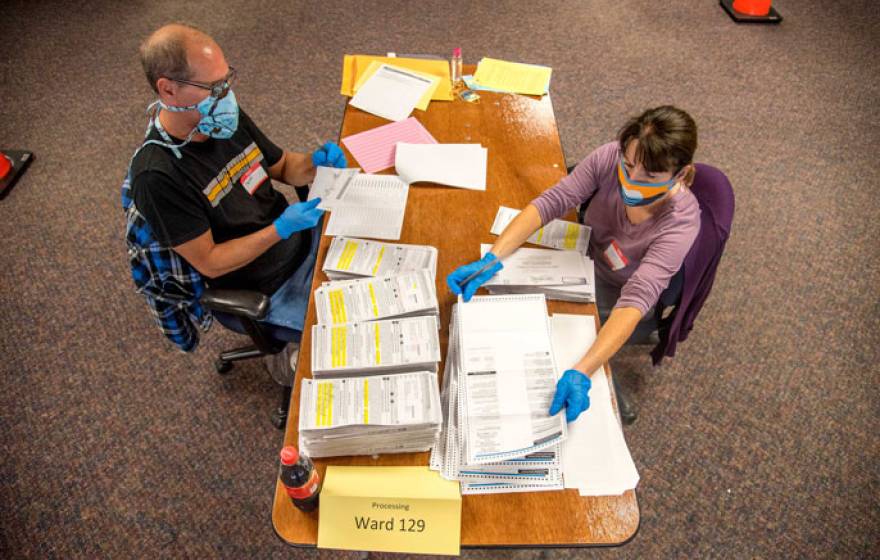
x=166 y=52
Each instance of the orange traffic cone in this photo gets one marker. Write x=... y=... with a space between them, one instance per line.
x=751 y=11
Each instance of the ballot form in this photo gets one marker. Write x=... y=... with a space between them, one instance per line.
x=560 y=275
x=507 y=377
x=350 y=257
x=369 y=348
x=397 y=413
x=557 y=234
x=368 y=299
x=368 y=206
x=392 y=93
x=330 y=184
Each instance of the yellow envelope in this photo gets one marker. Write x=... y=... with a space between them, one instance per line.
x=513 y=76
x=422 y=105
x=389 y=509
x=353 y=65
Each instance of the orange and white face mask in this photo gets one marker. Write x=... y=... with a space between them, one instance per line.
x=638 y=193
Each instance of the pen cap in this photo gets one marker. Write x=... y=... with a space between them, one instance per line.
x=289 y=455
x=456 y=52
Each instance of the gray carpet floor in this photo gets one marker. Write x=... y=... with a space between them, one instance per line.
x=759 y=440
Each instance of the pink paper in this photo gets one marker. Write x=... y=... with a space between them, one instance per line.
x=374 y=149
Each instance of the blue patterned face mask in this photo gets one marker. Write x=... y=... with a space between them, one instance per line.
x=219 y=115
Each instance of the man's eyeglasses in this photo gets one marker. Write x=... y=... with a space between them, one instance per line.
x=218 y=89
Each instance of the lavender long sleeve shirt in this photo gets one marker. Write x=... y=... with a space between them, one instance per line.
x=653 y=250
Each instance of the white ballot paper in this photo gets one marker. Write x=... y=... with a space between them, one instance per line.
x=558 y=234
x=392 y=345
x=348 y=257
x=392 y=93
x=369 y=206
x=539 y=267
x=595 y=458
x=368 y=415
x=329 y=185
x=456 y=165
x=368 y=299
x=535 y=471
x=508 y=378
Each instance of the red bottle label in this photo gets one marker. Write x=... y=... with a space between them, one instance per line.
x=307 y=490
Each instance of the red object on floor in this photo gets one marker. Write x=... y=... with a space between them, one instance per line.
x=752 y=7
x=5 y=165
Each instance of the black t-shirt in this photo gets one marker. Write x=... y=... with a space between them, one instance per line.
x=205 y=189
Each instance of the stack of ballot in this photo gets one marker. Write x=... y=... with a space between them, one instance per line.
x=499 y=380
x=369 y=415
x=560 y=275
x=376 y=347
x=349 y=258
x=558 y=234
x=388 y=297
x=361 y=204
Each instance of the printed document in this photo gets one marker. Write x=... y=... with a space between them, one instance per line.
x=369 y=206
x=368 y=299
x=456 y=165
x=508 y=378
x=330 y=184
x=410 y=344
x=539 y=267
x=392 y=93
x=558 y=234
x=349 y=257
x=423 y=102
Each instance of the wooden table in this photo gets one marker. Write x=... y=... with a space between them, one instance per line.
x=525 y=158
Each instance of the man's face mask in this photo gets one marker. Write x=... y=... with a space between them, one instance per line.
x=219 y=116
x=638 y=193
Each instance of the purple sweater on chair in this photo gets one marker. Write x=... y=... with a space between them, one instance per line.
x=647 y=255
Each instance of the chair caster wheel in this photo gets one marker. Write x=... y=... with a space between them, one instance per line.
x=279 y=418
x=222 y=366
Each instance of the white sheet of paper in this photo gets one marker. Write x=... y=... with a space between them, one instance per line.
x=595 y=458
x=329 y=184
x=369 y=206
x=391 y=93
x=455 y=165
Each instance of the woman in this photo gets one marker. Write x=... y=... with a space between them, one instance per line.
x=644 y=220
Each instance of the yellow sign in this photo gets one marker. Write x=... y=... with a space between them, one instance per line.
x=353 y=65
x=389 y=509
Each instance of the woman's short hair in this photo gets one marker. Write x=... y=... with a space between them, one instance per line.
x=667 y=139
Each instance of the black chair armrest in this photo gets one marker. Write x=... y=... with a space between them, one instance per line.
x=242 y=303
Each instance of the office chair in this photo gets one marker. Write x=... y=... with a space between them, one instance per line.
x=241 y=311
x=715 y=197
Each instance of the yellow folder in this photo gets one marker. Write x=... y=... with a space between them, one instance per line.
x=353 y=65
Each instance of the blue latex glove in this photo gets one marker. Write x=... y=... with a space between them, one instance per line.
x=462 y=281
x=572 y=390
x=329 y=155
x=297 y=217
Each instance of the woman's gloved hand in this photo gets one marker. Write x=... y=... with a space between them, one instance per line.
x=572 y=391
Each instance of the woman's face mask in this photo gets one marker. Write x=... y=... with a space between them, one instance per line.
x=638 y=193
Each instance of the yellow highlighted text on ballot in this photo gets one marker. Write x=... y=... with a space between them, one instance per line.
x=389 y=509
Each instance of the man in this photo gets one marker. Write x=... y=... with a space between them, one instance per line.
x=203 y=179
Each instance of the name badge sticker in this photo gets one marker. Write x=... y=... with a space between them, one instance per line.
x=615 y=257
x=253 y=177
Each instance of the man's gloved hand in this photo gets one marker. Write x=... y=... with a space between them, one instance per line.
x=329 y=155
x=572 y=390
x=460 y=281
x=297 y=217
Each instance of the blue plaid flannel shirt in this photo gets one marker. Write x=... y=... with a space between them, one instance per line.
x=171 y=285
